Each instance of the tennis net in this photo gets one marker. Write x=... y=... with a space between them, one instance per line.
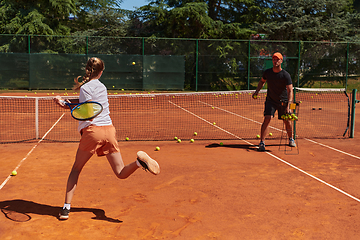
x=163 y=116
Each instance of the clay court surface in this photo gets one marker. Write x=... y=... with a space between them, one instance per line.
x=204 y=191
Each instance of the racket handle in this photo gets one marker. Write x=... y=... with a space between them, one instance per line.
x=64 y=103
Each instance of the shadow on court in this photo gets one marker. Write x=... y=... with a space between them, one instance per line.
x=18 y=210
x=241 y=146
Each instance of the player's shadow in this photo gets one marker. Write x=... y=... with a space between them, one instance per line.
x=19 y=210
x=247 y=147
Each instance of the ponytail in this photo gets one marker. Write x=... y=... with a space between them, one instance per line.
x=93 y=68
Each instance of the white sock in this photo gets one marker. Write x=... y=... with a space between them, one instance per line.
x=138 y=164
x=67 y=206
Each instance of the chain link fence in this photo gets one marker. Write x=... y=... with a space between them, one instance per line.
x=51 y=62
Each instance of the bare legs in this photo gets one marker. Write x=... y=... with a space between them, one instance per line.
x=81 y=159
x=264 y=126
x=266 y=123
x=118 y=167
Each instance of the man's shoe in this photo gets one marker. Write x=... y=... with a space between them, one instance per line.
x=261 y=147
x=292 y=142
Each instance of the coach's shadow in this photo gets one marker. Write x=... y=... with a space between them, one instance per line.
x=240 y=146
x=18 y=210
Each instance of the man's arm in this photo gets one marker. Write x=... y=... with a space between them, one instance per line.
x=289 y=89
x=259 y=87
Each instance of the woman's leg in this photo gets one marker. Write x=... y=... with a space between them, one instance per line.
x=118 y=167
x=80 y=160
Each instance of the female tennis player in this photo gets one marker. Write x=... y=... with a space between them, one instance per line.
x=98 y=134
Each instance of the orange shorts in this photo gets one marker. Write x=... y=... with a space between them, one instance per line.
x=99 y=139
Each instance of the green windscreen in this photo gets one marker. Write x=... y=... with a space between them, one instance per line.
x=164 y=72
x=57 y=71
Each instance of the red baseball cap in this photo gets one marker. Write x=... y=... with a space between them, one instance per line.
x=277 y=55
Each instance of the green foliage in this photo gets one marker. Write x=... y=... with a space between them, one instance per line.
x=104 y=17
x=44 y=17
x=309 y=20
x=188 y=21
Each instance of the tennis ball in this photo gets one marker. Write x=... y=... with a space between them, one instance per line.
x=255 y=96
x=179 y=140
x=195 y=133
x=127 y=139
x=212 y=107
x=192 y=140
x=214 y=123
x=175 y=138
x=133 y=63
x=13 y=173
x=221 y=144
x=257 y=136
x=270 y=134
x=157 y=148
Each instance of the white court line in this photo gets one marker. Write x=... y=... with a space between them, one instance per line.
x=28 y=154
x=283 y=161
x=332 y=148
x=210 y=123
x=249 y=119
x=321 y=144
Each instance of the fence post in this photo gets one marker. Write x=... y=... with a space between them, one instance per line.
x=347 y=66
x=143 y=59
x=299 y=62
x=29 y=52
x=295 y=112
x=248 y=72
x=87 y=45
x=196 y=64
x=353 y=103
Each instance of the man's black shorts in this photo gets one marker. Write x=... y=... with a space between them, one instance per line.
x=271 y=108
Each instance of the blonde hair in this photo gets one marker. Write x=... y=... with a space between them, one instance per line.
x=93 y=68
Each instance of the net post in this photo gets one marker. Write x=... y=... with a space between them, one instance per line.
x=353 y=103
x=294 y=125
x=36 y=118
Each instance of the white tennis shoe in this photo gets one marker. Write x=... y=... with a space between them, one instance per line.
x=148 y=163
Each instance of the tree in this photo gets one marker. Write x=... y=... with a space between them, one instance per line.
x=57 y=17
x=228 y=11
x=309 y=20
x=43 y=17
x=187 y=20
x=96 y=14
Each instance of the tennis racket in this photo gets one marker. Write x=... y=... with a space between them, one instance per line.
x=84 y=111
